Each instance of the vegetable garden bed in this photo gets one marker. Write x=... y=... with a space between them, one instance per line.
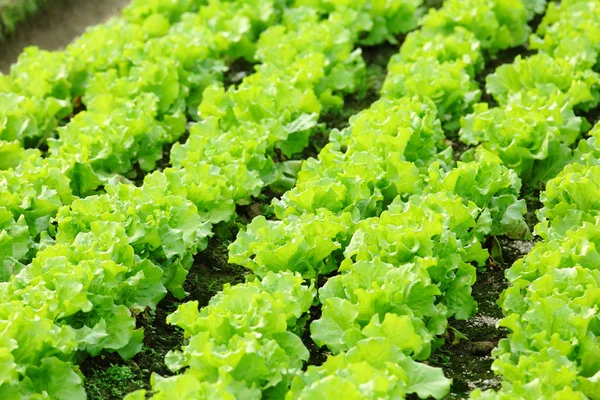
x=303 y=199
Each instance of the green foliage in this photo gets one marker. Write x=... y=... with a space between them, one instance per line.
x=569 y=200
x=447 y=83
x=550 y=308
x=83 y=250
x=497 y=24
x=164 y=229
x=545 y=74
x=31 y=192
x=73 y=297
x=375 y=21
x=304 y=245
x=115 y=381
x=569 y=31
x=378 y=157
x=375 y=368
x=240 y=344
x=460 y=45
x=491 y=186
x=385 y=198
x=384 y=208
x=534 y=126
x=531 y=134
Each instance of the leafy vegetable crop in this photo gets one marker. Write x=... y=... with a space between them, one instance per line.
x=551 y=306
x=534 y=126
x=123 y=154
x=149 y=98
x=392 y=278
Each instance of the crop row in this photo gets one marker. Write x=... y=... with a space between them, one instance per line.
x=401 y=272
x=551 y=306
x=78 y=265
x=535 y=125
x=134 y=84
x=139 y=91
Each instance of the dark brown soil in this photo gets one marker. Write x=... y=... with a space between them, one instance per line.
x=467 y=360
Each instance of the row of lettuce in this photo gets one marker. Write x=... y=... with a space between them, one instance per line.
x=534 y=126
x=85 y=250
x=385 y=210
x=134 y=83
x=551 y=306
x=14 y=12
x=140 y=85
x=128 y=244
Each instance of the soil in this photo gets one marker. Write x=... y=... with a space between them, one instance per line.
x=466 y=355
